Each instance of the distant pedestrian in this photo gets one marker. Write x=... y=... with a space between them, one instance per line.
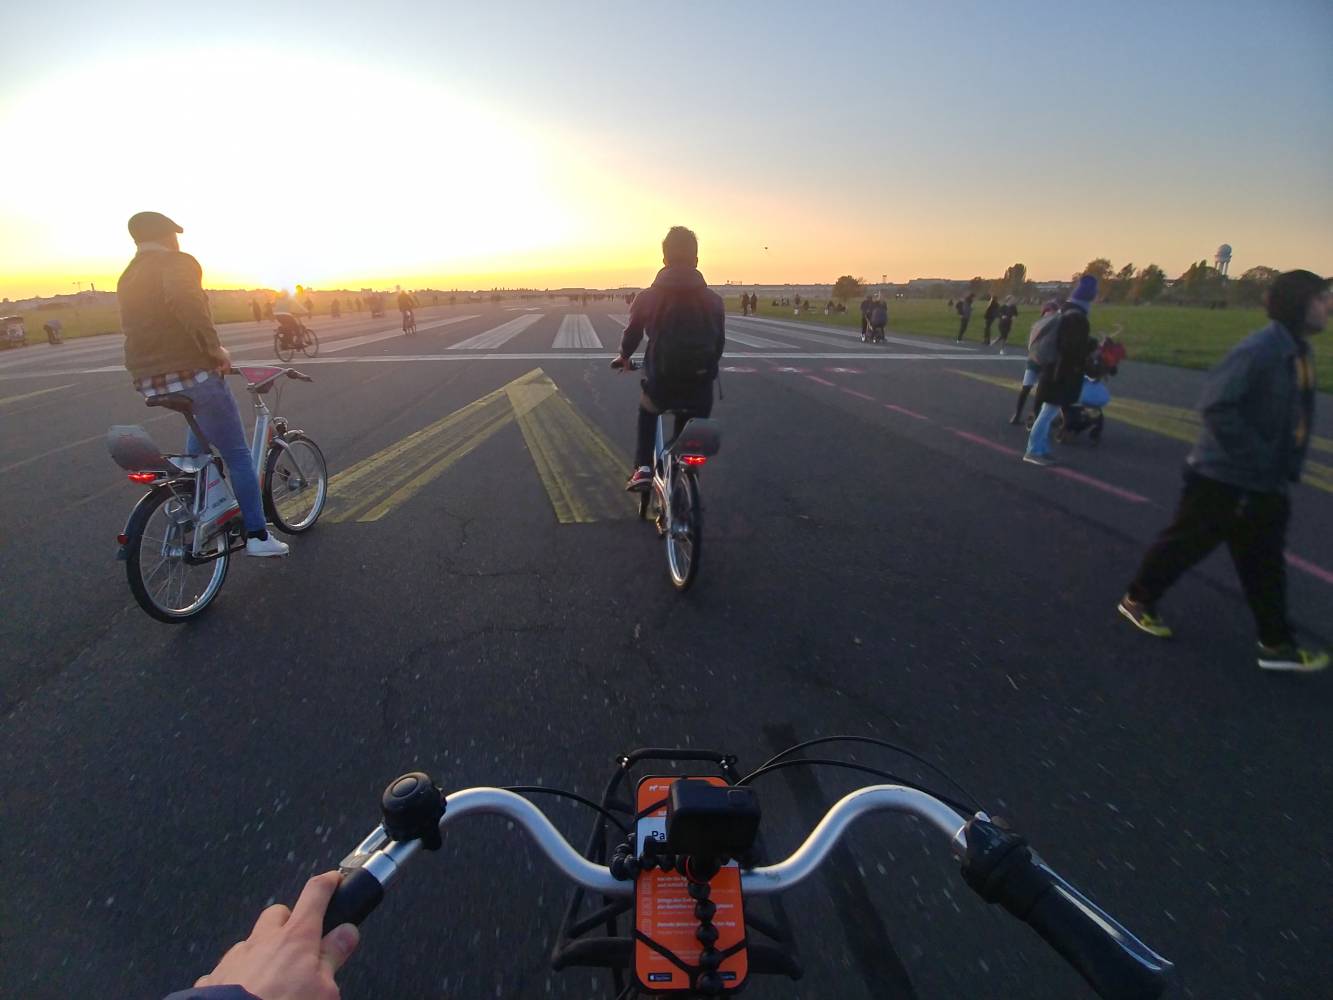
x=1257 y=411
x=964 y=308
x=867 y=304
x=745 y=304
x=1008 y=312
x=336 y=309
x=268 y=309
x=1061 y=380
x=309 y=307
x=990 y=315
x=255 y=311
x=358 y=305
x=879 y=318
x=1032 y=371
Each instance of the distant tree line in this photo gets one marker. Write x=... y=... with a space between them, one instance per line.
x=1201 y=284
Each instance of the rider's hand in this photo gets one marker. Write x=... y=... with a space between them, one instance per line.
x=622 y=364
x=224 y=359
x=285 y=958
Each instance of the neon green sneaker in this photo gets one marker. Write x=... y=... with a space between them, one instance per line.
x=1292 y=658
x=1144 y=619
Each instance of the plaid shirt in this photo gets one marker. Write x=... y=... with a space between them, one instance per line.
x=160 y=385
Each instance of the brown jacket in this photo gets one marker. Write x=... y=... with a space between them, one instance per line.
x=164 y=315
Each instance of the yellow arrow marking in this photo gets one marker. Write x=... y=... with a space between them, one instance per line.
x=579 y=469
x=39 y=392
x=1178 y=423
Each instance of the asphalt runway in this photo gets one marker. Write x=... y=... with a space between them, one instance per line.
x=480 y=602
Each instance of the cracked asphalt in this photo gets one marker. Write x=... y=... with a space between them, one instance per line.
x=864 y=573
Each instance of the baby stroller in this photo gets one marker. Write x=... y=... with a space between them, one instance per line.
x=1086 y=415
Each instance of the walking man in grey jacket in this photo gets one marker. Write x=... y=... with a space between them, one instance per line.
x=1258 y=414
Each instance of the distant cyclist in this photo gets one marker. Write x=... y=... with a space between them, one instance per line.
x=683 y=320
x=171 y=346
x=407 y=306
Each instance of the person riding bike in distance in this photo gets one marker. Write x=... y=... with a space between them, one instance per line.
x=683 y=320
x=406 y=305
x=171 y=346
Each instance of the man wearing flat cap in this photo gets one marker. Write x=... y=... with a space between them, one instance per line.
x=171 y=346
x=1257 y=413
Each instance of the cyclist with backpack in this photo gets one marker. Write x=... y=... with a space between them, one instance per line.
x=683 y=320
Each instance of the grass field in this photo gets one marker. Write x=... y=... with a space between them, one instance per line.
x=1170 y=335
x=88 y=321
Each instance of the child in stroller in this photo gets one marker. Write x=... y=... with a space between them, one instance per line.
x=1086 y=415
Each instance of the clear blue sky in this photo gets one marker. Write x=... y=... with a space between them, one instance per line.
x=914 y=139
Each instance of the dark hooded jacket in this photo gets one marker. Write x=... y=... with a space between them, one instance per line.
x=641 y=316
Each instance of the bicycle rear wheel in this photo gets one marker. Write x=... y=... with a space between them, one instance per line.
x=311 y=346
x=161 y=538
x=684 y=540
x=283 y=350
x=296 y=484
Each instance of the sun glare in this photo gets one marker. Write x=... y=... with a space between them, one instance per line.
x=281 y=169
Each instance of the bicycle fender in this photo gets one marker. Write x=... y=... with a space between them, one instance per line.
x=135 y=522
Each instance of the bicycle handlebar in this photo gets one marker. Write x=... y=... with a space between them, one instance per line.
x=997 y=864
x=1001 y=868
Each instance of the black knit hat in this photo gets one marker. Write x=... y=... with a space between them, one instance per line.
x=1289 y=298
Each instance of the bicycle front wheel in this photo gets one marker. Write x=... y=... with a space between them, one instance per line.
x=684 y=540
x=161 y=538
x=282 y=349
x=296 y=484
x=311 y=345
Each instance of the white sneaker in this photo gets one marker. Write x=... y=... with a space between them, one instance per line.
x=265 y=547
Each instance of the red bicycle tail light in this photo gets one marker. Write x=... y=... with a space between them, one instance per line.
x=694 y=459
x=142 y=477
x=122 y=539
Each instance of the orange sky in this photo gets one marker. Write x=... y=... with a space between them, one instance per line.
x=298 y=164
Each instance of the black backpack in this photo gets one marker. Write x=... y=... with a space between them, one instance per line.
x=685 y=337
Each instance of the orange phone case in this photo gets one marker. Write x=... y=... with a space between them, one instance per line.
x=664 y=910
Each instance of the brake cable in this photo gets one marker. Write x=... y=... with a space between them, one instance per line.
x=947 y=800
x=873 y=741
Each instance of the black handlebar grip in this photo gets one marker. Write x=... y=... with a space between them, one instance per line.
x=1002 y=869
x=359 y=894
x=1110 y=962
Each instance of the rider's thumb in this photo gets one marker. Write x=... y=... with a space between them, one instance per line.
x=338 y=945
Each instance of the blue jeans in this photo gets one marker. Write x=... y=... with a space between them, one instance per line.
x=1039 y=440
x=217 y=416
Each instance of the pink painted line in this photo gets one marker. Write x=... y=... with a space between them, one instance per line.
x=904 y=410
x=861 y=395
x=821 y=381
x=1316 y=571
x=1116 y=491
x=987 y=442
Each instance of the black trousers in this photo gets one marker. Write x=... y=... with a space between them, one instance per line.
x=989 y=323
x=1254 y=527
x=962 y=326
